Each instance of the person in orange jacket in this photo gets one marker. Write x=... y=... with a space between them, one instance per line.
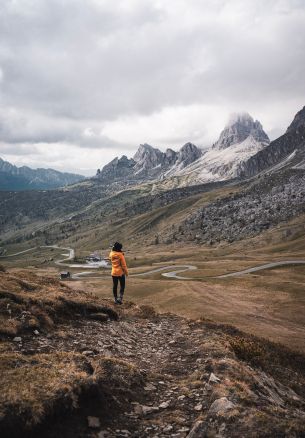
x=118 y=271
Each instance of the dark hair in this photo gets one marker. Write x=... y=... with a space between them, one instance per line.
x=117 y=246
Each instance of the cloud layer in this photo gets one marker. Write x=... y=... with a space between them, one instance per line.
x=83 y=81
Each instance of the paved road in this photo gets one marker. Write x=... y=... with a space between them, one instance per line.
x=17 y=253
x=171 y=273
x=71 y=255
x=261 y=267
x=172 y=270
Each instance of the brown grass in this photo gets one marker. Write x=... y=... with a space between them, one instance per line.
x=267 y=355
x=35 y=388
x=31 y=386
x=29 y=302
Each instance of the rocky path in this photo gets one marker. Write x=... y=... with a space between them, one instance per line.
x=190 y=383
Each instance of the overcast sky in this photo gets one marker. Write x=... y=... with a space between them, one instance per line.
x=84 y=81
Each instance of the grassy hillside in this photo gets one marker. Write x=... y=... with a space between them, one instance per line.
x=83 y=215
x=73 y=365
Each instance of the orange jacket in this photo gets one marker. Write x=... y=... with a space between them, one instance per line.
x=118 y=263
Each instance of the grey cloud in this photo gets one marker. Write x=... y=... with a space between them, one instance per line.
x=16 y=127
x=18 y=149
x=70 y=66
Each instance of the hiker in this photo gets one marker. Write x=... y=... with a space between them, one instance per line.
x=118 y=271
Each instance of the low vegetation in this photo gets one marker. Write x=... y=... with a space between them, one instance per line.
x=65 y=369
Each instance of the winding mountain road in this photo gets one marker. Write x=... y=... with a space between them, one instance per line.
x=172 y=271
x=18 y=253
x=262 y=267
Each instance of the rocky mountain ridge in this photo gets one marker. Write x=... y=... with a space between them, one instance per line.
x=239 y=128
x=241 y=138
x=227 y=211
x=288 y=151
x=148 y=163
x=25 y=178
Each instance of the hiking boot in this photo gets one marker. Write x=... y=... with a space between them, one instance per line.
x=116 y=301
x=119 y=300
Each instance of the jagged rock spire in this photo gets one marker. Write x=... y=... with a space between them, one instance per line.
x=238 y=129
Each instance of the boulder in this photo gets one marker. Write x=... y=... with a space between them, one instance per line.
x=220 y=406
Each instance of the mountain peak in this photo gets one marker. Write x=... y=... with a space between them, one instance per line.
x=144 y=148
x=239 y=127
x=242 y=117
x=147 y=157
x=298 y=121
x=188 y=154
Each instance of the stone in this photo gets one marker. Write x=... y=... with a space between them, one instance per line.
x=144 y=410
x=168 y=428
x=198 y=407
x=197 y=430
x=149 y=387
x=36 y=332
x=149 y=409
x=103 y=434
x=88 y=353
x=94 y=422
x=17 y=339
x=213 y=378
x=220 y=406
x=164 y=405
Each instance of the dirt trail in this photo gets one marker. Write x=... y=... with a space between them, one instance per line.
x=184 y=367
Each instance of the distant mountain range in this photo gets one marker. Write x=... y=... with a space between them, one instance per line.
x=241 y=139
x=248 y=185
x=287 y=151
x=25 y=178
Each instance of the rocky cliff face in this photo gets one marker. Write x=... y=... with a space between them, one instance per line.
x=241 y=138
x=25 y=178
x=187 y=155
x=117 y=169
x=239 y=128
x=298 y=121
x=286 y=151
x=149 y=163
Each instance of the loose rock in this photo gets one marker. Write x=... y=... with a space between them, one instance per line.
x=220 y=406
x=94 y=422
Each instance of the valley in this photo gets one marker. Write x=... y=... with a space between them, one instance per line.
x=269 y=303
x=215 y=246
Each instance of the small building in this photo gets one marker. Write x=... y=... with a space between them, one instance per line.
x=94 y=257
x=65 y=275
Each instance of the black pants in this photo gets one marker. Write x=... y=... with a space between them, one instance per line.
x=116 y=280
